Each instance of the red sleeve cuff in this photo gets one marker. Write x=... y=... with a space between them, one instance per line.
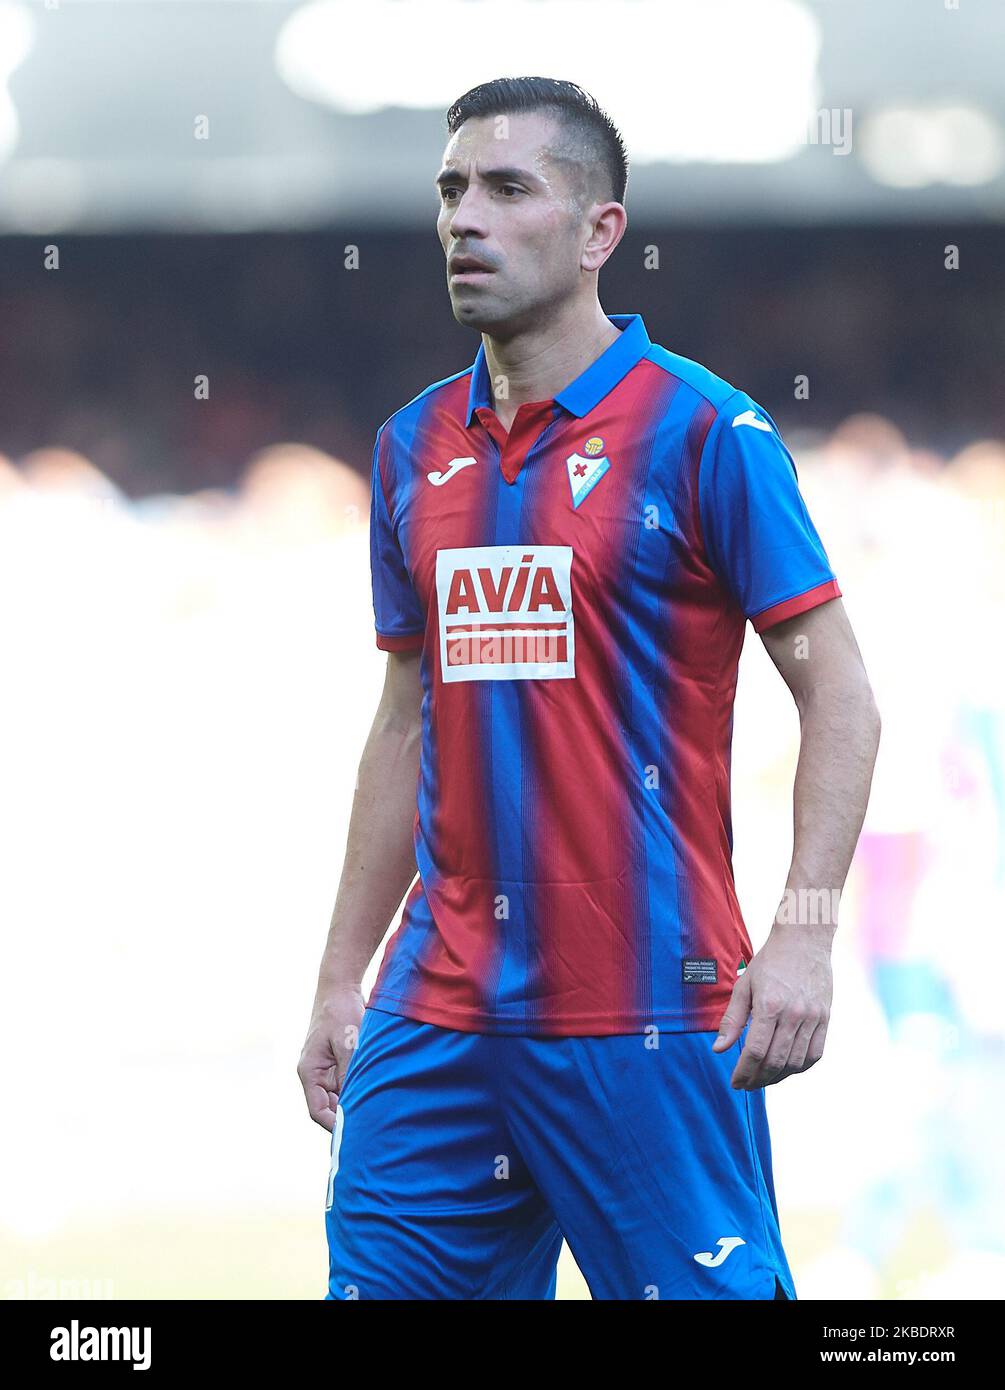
x=411 y=642
x=791 y=607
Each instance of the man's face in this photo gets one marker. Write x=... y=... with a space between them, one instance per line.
x=521 y=214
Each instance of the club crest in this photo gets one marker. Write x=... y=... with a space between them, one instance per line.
x=587 y=469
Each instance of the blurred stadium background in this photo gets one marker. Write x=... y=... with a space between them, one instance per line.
x=189 y=667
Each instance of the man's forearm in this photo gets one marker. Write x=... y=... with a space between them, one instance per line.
x=840 y=730
x=380 y=857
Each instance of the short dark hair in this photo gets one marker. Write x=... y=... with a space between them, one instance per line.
x=592 y=137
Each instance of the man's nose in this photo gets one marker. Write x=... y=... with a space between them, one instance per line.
x=467 y=218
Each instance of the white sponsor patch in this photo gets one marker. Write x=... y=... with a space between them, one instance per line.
x=505 y=613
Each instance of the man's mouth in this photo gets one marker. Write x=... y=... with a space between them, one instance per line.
x=468 y=268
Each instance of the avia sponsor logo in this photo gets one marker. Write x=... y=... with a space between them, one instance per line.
x=505 y=613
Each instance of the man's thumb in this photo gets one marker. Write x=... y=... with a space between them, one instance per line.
x=736 y=1015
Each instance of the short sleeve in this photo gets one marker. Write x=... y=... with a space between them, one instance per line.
x=758 y=535
x=398 y=615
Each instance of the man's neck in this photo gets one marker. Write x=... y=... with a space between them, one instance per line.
x=537 y=365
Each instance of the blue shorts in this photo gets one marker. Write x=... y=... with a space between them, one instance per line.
x=460 y=1160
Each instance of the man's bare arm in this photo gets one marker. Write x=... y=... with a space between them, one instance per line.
x=378 y=868
x=787 y=987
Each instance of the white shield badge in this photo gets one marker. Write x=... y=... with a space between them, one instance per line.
x=584 y=474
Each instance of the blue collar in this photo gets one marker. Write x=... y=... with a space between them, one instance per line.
x=591 y=386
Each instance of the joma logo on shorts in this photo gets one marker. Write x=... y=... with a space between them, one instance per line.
x=505 y=612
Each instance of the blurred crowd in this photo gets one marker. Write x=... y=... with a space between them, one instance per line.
x=189 y=680
x=318 y=336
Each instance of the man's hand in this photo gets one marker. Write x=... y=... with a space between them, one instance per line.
x=786 y=991
x=331 y=1041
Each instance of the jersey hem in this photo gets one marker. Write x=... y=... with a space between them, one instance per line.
x=704 y=1020
x=792 y=607
x=407 y=642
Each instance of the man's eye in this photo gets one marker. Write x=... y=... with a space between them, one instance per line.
x=446 y=193
x=510 y=188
